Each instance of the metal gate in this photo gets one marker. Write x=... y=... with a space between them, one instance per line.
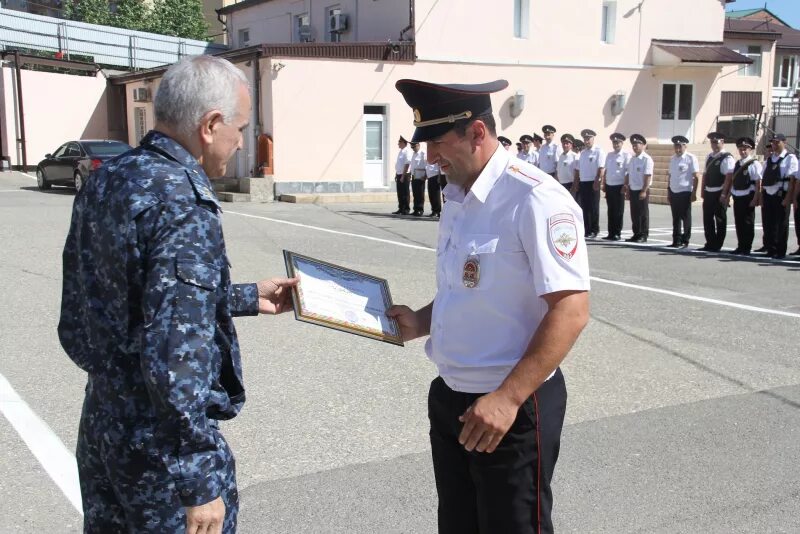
x=786 y=119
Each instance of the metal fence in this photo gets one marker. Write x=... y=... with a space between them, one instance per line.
x=785 y=119
x=108 y=46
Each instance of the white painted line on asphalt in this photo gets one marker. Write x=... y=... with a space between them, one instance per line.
x=593 y=278
x=59 y=462
x=28 y=175
x=15 y=191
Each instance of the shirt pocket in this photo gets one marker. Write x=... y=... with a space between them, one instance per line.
x=482 y=247
x=198 y=274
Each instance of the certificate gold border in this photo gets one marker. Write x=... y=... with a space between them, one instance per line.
x=303 y=315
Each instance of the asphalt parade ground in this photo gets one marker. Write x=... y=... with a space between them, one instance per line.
x=684 y=390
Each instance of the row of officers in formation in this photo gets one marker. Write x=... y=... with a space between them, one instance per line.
x=585 y=169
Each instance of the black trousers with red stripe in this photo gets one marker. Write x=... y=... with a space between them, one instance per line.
x=508 y=490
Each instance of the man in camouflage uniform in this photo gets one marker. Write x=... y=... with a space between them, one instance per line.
x=147 y=311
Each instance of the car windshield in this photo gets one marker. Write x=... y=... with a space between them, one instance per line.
x=105 y=148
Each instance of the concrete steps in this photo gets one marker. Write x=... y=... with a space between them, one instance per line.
x=248 y=189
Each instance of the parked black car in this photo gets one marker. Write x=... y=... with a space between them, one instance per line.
x=72 y=163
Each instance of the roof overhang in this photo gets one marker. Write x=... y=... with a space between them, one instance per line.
x=27 y=59
x=695 y=54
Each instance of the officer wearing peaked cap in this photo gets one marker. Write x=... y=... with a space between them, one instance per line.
x=779 y=170
x=566 y=162
x=497 y=408
x=402 y=176
x=684 y=175
x=616 y=166
x=529 y=153
x=505 y=141
x=746 y=193
x=550 y=151
x=716 y=186
x=588 y=174
x=638 y=178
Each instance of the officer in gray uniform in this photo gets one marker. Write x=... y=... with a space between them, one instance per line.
x=147 y=311
x=716 y=188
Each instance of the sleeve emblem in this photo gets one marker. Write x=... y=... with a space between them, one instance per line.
x=564 y=235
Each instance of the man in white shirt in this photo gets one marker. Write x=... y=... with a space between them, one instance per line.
x=716 y=187
x=528 y=153
x=512 y=297
x=588 y=174
x=616 y=166
x=537 y=145
x=779 y=169
x=638 y=178
x=684 y=175
x=434 y=188
x=550 y=151
x=402 y=178
x=746 y=192
x=505 y=142
x=566 y=163
x=418 y=175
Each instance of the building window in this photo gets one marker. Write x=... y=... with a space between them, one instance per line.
x=334 y=34
x=521 y=18
x=786 y=73
x=140 y=123
x=608 y=22
x=244 y=37
x=302 y=26
x=754 y=53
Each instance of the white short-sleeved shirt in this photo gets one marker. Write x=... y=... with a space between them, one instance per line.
x=681 y=172
x=566 y=167
x=726 y=167
x=403 y=159
x=754 y=171
x=432 y=170
x=788 y=168
x=418 y=163
x=526 y=231
x=548 y=156
x=616 y=166
x=639 y=167
x=590 y=161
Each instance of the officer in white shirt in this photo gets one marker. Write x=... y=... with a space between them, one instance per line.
x=434 y=188
x=613 y=182
x=746 y=192
x=537 y=145
x=550 y=151
x=504 y=141
x=684 y=175
x=528 y=153
x=637 y=189
x=418 y=175
x=779 y=169
x=566 y=162
x=402 y=178
x=512 y=297
x=588 y=174
x=716 y=188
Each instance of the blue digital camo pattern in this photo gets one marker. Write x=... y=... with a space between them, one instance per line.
x=147 y=311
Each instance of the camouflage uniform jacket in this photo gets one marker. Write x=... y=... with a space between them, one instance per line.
x=147 y=306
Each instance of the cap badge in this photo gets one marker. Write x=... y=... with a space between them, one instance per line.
x=417 y=115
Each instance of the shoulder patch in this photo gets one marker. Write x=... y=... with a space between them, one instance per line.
x=563 y=235
x=517 y=171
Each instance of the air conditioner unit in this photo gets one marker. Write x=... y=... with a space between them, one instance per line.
x=141 y=94
x=304 y=32
x=338 y=22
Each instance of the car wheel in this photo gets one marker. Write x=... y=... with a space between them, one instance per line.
x=41 y=180
x=77 y=181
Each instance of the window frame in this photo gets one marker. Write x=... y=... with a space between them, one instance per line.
x=298 y=23
x=757 y=57
x=242 y=43
x=608 y=21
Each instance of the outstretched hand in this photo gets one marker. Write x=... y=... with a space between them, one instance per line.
x=275 y=295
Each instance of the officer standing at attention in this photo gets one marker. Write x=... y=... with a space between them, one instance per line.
x=779 y=169
x=549 y=151
x=402 y=177
x=418 y=174
x=527 y=153
x=637 y=189
x=794 y=196
x=147 y=311
x=434 y=188
x=520 y=151
x=746 y=191
x=613 y=182
x=505 y=141
x=716 y=188
x=537 y=145
x=566 y=162
x=588 y=174
x=684 y=175
x=512 y=298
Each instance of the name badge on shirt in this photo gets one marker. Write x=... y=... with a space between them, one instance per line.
x=619 y=164
x=472 y=271
x=682 y=167
x=638 y=169
x=591 y=158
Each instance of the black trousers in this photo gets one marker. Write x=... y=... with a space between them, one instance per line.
x=590 y=204
x=715 y=219
x=615 y=199
x=776 y=224
x=418 y=190
x=681 y=205
x=744 y=216
x=403 y=195
x=435 y=194
x=797 y=224
x=640 y=214
x=507 y=491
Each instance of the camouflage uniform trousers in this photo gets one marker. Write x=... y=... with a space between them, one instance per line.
x=125 y=486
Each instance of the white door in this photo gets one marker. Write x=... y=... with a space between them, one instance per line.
x=374 y=151
x=676 y=110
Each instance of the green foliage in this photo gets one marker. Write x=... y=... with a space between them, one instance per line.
x=132 y=14
x=179 y=18
x=91 y=11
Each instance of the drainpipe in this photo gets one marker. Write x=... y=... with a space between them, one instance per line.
x=21 y=139
x=258 y=130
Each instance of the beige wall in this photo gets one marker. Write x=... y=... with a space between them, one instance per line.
x=274 y=22
x=732 y=80
x=77 y=109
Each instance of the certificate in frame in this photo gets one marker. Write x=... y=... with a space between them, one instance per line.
x=341 y=298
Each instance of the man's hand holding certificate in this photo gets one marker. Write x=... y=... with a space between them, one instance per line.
x=340 y=298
